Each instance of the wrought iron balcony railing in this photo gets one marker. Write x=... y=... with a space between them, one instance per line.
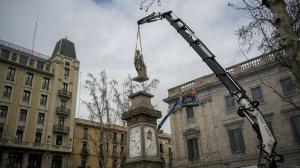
x=62 y=111
x=61 y=129
x=64 y=93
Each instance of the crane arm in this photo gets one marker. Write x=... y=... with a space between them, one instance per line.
x=172 y=110
x=247 y=107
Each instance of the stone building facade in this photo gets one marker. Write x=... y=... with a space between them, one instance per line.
x=86 y=145
x=213 y=135
x=37 y=105
x=87 y=150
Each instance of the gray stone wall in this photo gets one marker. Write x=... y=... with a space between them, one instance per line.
x=212 y=120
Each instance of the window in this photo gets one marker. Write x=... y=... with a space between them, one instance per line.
x=38 y=137
x=63 y=103
x=31 y=62
x=66 y=72
x=7 y=91
x=47 y=68
x=287 y=86
x=3 y=111
x=84 y=147
x=193 y=151
x=189 y=113
x=161 y=148
x=295 y=122
x=122 y=139
x=14 y=57
x=23 y=60
x=19 y=135
x=4 y=54
x=41 y=118
x=236 y=140
x=65 y=87
x=170 y=153
x=29 y=79
x=45 y=83
x=43 y=100
x=23 y=114
x=59 y=139
x=114 y=149
x=257 y=94
x=122 y=151
x=114 y=138
x=85 y=133
x=26 y=96
x=83 y=162
x=101 y=150
x=10 y=75
x=230 y=104
x=67 y=64
x=1 y=132
x=61 y=122
x=115 y=163
x=40 y=65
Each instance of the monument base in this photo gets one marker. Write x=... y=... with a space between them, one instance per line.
x=140 y=78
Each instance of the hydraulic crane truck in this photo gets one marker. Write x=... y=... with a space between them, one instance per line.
x=247 y=108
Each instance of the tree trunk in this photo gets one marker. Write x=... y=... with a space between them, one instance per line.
x=288 y=38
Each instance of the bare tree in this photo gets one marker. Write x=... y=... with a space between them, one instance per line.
x=106 y=105
x=147 y=4
x=274 y=26
x=101 y=113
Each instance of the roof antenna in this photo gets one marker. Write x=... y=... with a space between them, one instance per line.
x=34 y=35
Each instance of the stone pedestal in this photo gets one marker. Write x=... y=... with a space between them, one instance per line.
x=142 y=141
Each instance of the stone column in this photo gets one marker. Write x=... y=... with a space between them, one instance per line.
x=25 y=160
x=66 y=162
x=4 y=159
x=142 y=141
x=47 y=160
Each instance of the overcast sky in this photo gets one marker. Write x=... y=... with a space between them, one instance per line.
x=104 y=33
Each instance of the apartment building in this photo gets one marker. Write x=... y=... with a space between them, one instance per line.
x=213 y=135
x=37 y=105
x=88 y=149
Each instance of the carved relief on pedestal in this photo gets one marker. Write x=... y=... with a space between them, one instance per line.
x=135 y=142
x=150 y=141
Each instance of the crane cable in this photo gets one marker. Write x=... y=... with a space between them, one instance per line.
x=138 y=41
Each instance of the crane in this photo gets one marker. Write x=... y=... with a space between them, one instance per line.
x=247 y=108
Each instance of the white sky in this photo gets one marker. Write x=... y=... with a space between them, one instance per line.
x=104 y=34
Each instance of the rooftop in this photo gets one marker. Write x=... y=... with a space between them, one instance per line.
x=235 y=70
x=23 y=49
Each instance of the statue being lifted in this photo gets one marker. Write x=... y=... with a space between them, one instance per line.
x=140 y=67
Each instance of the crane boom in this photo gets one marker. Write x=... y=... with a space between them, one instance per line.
x=247 y=107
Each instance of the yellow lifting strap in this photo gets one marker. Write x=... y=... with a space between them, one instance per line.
x=138 y=41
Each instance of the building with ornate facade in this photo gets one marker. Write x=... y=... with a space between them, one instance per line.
x=37 y=105
x=88 y=150
x=213 y=135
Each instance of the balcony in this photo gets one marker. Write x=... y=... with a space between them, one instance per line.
x=84 y=152
x=10 y=78
x=114 y=155
x=61 y=129
x=33 y=145
x=28 y=83
x=62 y=111
x=64 y=93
